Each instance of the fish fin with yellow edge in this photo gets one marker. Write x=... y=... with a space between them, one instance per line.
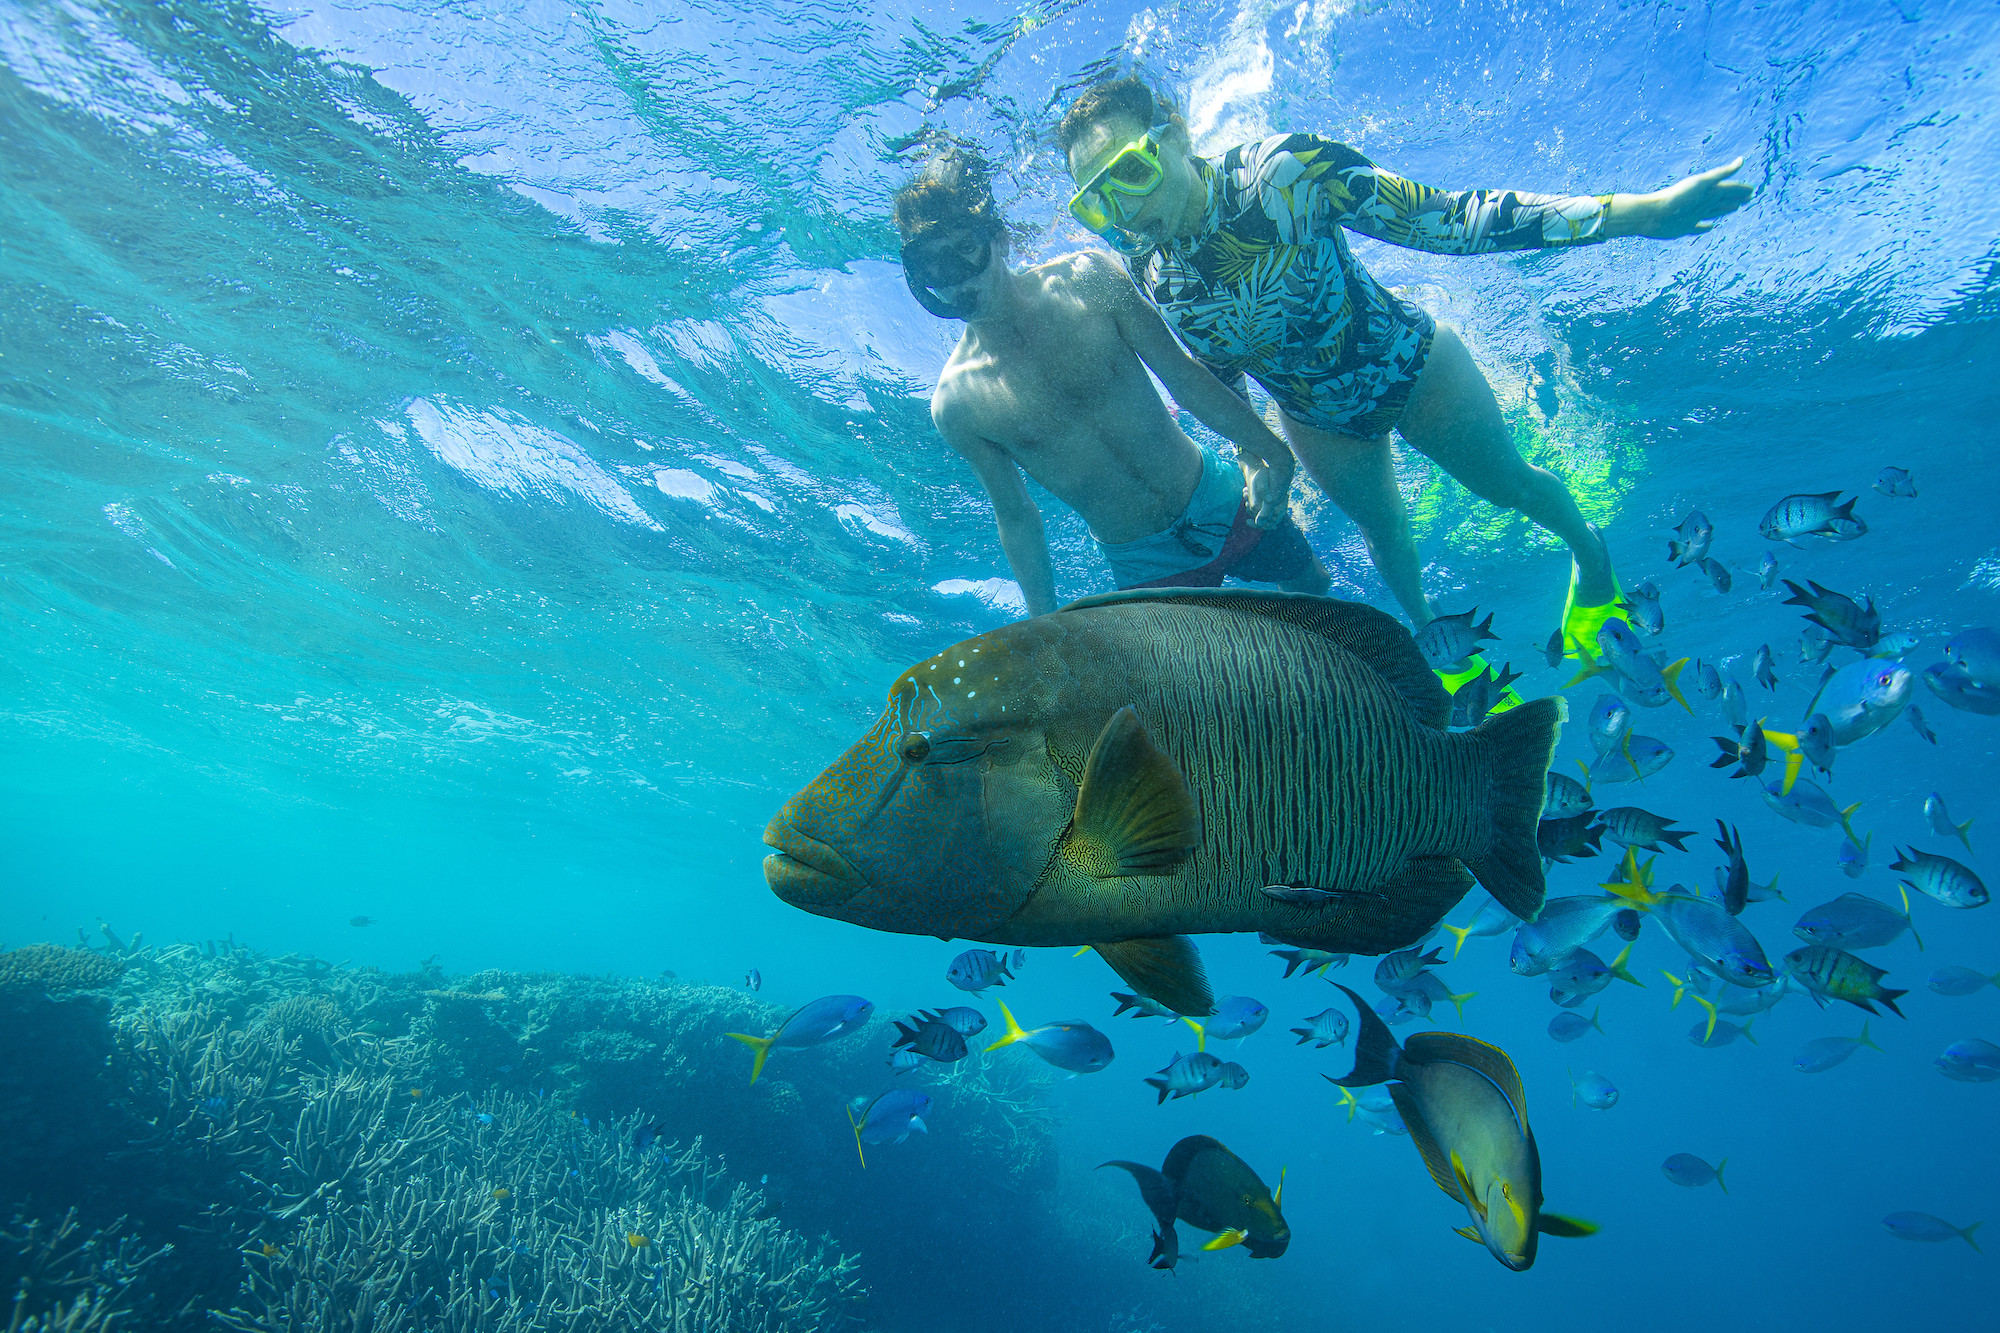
x=1846 y=820
x=1134 y=814
x=1441 y=1166
x=1469 y=1233
x=1670 y=675
x=1166 y=968
x=1593 y=1018
x=1745 y=1030
x=1555 y=1224
x=1482 y=1058
x=1014 y=1032
x=1200 y=1033
x=1459 y=933
x=1347 y=1099
x=1224 y=1239
x=1619 y=970
x=1458 y=1002
x=1864 y=1039
x=760 y=1045
x=1713 y=1015
x=1590 y=669
x=1278 y=1198
x=1084 y=950
x=1520 y=744
x=1904 y=889
x=1718 y=1175
x=855 y=1125
x=1680 y=987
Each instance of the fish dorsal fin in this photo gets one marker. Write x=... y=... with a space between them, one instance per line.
x=1134 y=813
x=1436 y=1161
x=1375 y=637
x=1489 y=1062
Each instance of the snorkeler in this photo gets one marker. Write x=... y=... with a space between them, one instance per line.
x=1050 y=379
x=1245 y=258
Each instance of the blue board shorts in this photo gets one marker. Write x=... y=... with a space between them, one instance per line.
x=1210 y=540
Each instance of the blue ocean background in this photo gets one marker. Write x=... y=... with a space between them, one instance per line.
x=467 y=464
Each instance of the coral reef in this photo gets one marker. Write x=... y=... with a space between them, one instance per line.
x=269 y=1143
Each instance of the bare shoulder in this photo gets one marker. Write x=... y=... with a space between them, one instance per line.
x=1090 y=275
x=957 y=402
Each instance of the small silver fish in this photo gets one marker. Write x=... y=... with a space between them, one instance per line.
x=1941 y=821
x=1707 y=681
x=1642 y=608
x=1940 y=877
x=1766 y=677
x=1709 y=1035
x=1767 y=571
x=1593 y=1090
x=1570 y=1025
x=1610 y=721
x=1895 y=483
x=1922 y=1226
x=1853 y=921
x=1734 y=707
x=1637 y=760
x=1718 y=941
x=1807 y=803
x=1695 y=534
x=1960 y=981
x=1566 y=797
x=753 y=980
x=1853 y=858
x=1718 y=574
x=1684 y=1168
x=1814 y=646
x=1448 y=640
x=1798 y=516
x=1822 y=1054
x=1816 y=742
x=1917 y=723
x=1631 y=826
x=1326 y=1028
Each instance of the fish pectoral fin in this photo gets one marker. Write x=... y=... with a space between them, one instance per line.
x=1555 y=1224
x=1167 y=968
x=1222 y=1241
x=1469 y=1234
x=1465 y=1191
x=1134 y=813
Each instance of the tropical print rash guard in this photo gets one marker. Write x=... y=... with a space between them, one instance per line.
x=1269 y=288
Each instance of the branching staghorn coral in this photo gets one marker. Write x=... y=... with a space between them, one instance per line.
x=66 y=1278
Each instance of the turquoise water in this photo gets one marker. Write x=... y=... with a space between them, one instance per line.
x=467 y=465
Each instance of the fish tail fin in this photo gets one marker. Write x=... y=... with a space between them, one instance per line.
x=1593 y=1018
x=1864 y=1040
x=1994 y=980
x=1520 y=743
x=1014 y=1031
x=1904 y=889
x=1590 y=669
x=1680 y=988
x=1459 y=933
x=855 y=1125
x=1670 y=677
x=1746 y=1032
x=1965 y=1234
x=760 y=1045
x=1847 y=818
x=1718 y=1175
x=1962 y=830
x=1619 y=970
x=1084 y=950
x=1458 y=1001
x=1375 y=1048
x=1200 y=1033
x=1713 y=1015
x=1888 y=999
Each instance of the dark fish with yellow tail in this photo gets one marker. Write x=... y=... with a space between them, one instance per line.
x=1143 y=765
x=1210 y=1188
x=1468 y=1115
x=1835 y=974
x=823 y=1020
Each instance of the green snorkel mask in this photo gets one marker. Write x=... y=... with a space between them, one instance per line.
x=1104 y=203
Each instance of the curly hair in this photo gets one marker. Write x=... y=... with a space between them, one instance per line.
x=1131 y=98
x=953 y=190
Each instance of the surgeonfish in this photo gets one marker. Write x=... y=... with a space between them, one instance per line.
x=1949 y=882
x=1855 y=921
x=1823 y=1053
x=1798 y=516
x=1835 y=974
x=821 y=1021
x=1138 y=740
x=976 y=969
x=1922 y=1226
x=1071 y=1044
x=1684 y=1168
x=1941 y=821
x=1186 y=1075
x=1467 y=1113
x=1211 y=1189
x=1970 y=1061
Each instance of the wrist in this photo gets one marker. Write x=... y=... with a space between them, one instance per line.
x=1631 y=214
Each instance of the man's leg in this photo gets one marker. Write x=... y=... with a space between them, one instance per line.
x=1359 y=475
x=1315 y=580
x=1453 y=420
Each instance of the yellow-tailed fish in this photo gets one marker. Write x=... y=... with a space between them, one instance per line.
x=1144 y=765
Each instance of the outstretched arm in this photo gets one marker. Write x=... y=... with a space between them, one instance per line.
x=1268 y=465
x=1683 y=209
x=1022 y=536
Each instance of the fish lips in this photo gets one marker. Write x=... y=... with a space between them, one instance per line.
x=805 y=871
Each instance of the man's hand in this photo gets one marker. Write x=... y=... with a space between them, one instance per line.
x=1684 y=209
x=1267 y=489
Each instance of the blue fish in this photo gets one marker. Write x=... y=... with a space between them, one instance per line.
x=889 y=1118
x=1646 y=682
x=1863 y=697
x=1684 y=1168
x=1807 y=803
x=1958 y=981
x=1564 y=926
x=1071 y=1044
x=1327 y=1028
x=1186 y=1075
x=821 y=1021
x=1957 y=687
x=976 y=969
x=1235 y=1017
x=1569 y=1025
x=1593 y=1090
x=1976 y=652
x=1970 y=1061
x=962 y=1019
x=1142 y=1006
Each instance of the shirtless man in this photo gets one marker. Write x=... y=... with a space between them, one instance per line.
x=1050 y=379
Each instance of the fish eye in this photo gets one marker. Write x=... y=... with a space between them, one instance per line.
x=914 y=748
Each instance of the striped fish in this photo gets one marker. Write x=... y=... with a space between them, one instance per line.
x=1144 y=765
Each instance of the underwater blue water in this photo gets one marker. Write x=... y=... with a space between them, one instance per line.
x=468 y=464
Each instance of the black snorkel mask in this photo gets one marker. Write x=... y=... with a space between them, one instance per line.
x=928 y=266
